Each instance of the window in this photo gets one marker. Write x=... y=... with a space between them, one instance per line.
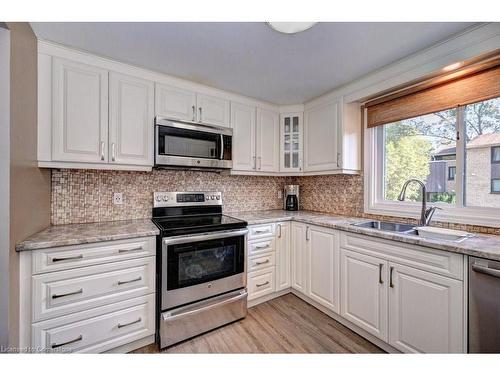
x=495 y=154
x=451 y=173
x=461 y=174
x=495 y=186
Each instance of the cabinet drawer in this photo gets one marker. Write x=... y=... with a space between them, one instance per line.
x=261 y=262
x=103 y=331
x=261 y=283
x=68 y=257
x=261 y=246
x=64 y=292
x=260 y=231
x=437 y=261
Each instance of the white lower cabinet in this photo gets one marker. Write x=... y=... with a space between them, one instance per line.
x=425 y=311
x=364 y=292
x=298 y=253
x=323 y=266
x=283 y=266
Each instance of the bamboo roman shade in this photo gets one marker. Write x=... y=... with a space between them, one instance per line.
x=472 y=88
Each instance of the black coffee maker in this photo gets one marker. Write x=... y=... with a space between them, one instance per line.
x=291 y=197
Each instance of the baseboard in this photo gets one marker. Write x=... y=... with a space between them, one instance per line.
x=268 y=297
x=133 y=345
x=374 y=340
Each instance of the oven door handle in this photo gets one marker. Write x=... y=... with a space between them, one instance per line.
x=204 y=237
x=182 y=312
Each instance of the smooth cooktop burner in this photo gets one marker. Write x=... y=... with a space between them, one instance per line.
x=177 y=225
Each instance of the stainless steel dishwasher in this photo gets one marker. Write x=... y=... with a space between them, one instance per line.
x=484 y=306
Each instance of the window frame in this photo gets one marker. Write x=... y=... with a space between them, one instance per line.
x=492 y=191
x=374 y=202
x=452 y=167
x=493 y=161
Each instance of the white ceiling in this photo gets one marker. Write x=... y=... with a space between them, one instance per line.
x=251 y=58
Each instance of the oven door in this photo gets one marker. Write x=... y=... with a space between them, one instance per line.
x=192 y=145
x=196 y=267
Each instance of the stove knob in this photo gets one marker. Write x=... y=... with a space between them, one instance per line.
x=164 y=198
x=218 y=197
x=212 y=197
x=157 y=198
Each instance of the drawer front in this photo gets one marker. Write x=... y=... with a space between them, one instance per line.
x=261 y=262
x=260 y=247
x=99 y=333
x=64 y=292
x=437 y=261
x=261 y=283
x=260 y=231
x=69 y=257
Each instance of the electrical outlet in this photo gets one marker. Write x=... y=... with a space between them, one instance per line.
x=117 y=198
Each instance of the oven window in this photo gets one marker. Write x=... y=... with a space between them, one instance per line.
x=200 y=262
x=188 y=143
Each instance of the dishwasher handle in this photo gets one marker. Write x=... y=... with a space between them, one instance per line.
x=486 y=270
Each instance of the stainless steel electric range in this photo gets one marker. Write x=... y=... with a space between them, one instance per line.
x=201 y=265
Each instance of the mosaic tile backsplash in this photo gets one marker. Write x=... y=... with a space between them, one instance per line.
x=85 y=196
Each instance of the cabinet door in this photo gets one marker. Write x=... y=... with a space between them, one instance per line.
x=244 y=129
x=321 y=126
x=212 y=110
x=425 y=311
x=364 y=284
x=267 y=140
x=283 y=258
x=298 y=249
x=323 y=267
x=175 y=103
x=131 y=120
x=80 y=112
x=291 y=145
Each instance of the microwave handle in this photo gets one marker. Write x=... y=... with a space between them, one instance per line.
x=221 y=147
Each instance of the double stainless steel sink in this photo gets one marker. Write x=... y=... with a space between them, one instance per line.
x=432 y=233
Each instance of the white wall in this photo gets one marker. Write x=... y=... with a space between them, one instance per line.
x=4 y=181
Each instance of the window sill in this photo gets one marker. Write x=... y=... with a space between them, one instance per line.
x=470 y=216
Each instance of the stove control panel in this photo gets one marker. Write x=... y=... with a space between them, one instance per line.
x=192 y=198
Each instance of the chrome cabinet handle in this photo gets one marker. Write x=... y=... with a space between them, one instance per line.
x=54 y=260
x=260 y=231
x=200 y=119
x=128 y=250
x=79 y=338
x=486 y=270
x=113 y=152
x=129 y=281
x=380 y=266
x=261 y=247
x=338 y=159
x=259 y=285
x=260 y=263
x=390 y=277
x=194 y=113
x=254 y=162
x=307 y=233
x=260 y=163
x=54 y=296
x=279 y=230
x=102 y=150
x=129 y=324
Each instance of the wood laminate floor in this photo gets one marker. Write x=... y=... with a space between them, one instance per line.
x=283 y=325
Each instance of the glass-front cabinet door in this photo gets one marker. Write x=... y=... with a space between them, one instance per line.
x=291 y=144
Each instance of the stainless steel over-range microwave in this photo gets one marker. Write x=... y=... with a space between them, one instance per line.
x=192 y=145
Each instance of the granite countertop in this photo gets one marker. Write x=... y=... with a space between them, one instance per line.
x=484 y=246
x=76 y=234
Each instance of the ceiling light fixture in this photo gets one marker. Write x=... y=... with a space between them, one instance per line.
x=291 y=27
x=453 y=66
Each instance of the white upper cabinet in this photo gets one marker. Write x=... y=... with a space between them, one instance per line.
x=426 y=311
x=364 y=292
x=321 y=130
x=244 y=134
x=213 y=110
x=175 y=103
x=131 y=120
x=267 y=140
x=323 y=267
x=80 y=112
x=291 y=144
